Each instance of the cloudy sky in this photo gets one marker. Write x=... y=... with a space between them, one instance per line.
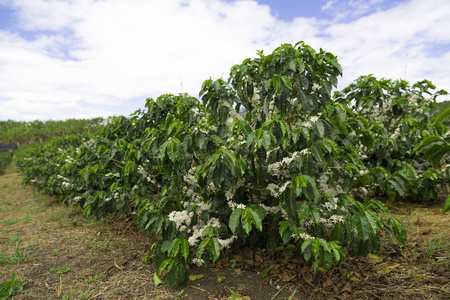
x=89 y=58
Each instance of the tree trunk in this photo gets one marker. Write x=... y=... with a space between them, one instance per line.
x=273 y=235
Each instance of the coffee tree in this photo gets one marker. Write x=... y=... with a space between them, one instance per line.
x=278 y=168
x=437 y=147
x=267 y=158
x=399 y=116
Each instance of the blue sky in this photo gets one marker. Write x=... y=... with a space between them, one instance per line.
x=86 y=58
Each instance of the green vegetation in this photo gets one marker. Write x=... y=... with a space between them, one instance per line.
x=96 y=277
x=62 y=270
x=444 y=105
x=11 y=287
x=397 y=117
x=5 y=160
x=100 y=246
x=269 y=158
x=15 y=257
x=23 y=133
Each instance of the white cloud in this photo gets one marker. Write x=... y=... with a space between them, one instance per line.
x=52 y=15
x=110 y=53
x=121 y=50
x=394 y=43
x=347 y=10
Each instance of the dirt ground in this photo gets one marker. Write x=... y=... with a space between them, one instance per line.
x=63 y=255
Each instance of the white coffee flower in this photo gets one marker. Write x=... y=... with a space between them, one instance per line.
x=198 y=262
x=315 y=88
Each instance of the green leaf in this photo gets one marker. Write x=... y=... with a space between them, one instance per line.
x=266 y=140
x=216 y=156
x=168 y=262
x=246 y=128
x=335 y=64
x=214 y=247
x=316 y=152
x=234 y=219
x=319 y=128
x=427 y=144
x=335 y=148
x=287 y=82
x=200 y=140
x=175 y=247
x=172 y=151
x=342 y=116
x=284 y=127
x=436 y=157
x=292 y=64
x=266 y=272
x=257 y=218
x=447 y=205
x=267 y=84
x=267 y=123
x=178 y=275
x=247 y=220
x=230 y=155
x=209 y=231
x=217 y=139
x=314 y=212
x=276 y=83
x=441 y=117
x=378 y=204
x=298 y=183
x=303 y=212
x=284 y=142
x=305 y=244
x=399 y=181
x=399 y=230
x=258 y=133
x=242 y=166
x=326 y=246
x=316 y=247
x=156 y=280
x=371 y=221
x=326 y=145
x=290 y=200
x=434 y=148
x=336 y=251
x=196 y=277
x=202 y=247
x=184 y=248
x=14 y=279
x=283 y=225
x=362 y=226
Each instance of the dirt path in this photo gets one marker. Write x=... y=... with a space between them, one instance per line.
x=63 y=255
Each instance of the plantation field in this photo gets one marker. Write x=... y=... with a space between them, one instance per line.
x=62 y=254
x=26 y=133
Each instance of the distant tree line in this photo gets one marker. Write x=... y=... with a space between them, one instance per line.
x=443 y=105
x=24 y=133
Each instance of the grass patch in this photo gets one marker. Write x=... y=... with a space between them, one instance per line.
x=17 y=255
x=62 y=270
x=9 y=222
x=101 y=246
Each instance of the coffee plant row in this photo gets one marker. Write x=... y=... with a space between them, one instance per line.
x=25 y=133
x=268 y=157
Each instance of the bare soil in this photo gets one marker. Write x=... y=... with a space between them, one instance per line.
x=63 y=255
